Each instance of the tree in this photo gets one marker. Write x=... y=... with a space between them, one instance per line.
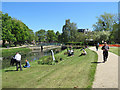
x=41 y=35
x=114 y=35
x=31 y=36
x=7 y=29
x=107 y=27
x=100 y=36
x=0 y=25
x=105 y=22
x=57 y=36
x=51 y=36
x=69 y=31
x=14 y=31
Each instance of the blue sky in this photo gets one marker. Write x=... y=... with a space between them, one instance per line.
x=52 y=15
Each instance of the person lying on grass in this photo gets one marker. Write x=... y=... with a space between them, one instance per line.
x=27 y=64
x=83 y=53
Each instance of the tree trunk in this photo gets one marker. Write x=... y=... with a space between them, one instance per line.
x=3 y=43
x=15 y=44
x=9 y=43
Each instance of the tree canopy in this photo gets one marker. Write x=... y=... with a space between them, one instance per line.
x=15 y=31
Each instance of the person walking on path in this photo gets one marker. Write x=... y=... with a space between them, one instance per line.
x=97 y=45
x=105 y=49
x=18 y=61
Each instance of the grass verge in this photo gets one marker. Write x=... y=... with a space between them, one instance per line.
x=115 y=50
x=75 y=71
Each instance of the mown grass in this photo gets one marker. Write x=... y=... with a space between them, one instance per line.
x=11 y=52
x=76 y=71
x=115 y=50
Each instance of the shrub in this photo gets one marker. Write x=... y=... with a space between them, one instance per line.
x=41 y=62
x=112 y=42
x=57 y=59
x=49 y=61
x=60 y=59
x=53 y=63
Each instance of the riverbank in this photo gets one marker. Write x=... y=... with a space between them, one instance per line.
x=72 y=72
x=27 y=53
x=11 y=52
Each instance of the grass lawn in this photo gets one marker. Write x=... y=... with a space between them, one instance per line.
x=11 y=52
x=69 y=73
x=115 y=50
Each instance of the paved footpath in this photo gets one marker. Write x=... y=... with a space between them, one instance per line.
x=106 y=73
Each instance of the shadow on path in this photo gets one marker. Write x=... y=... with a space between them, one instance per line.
x=97 y=62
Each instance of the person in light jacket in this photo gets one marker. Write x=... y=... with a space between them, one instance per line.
x=18 y=61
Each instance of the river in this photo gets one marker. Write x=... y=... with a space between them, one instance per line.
x=30 y=56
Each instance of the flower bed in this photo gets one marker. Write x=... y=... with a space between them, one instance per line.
x=111 y=45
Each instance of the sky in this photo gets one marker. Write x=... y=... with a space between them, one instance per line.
x=52 y=15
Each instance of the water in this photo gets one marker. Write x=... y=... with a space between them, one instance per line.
x=30 y=56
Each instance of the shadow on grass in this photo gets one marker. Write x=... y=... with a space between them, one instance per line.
x=9 y=70
x=97 y=62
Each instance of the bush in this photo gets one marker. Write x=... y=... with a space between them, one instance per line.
x=60 y=59
x=112 y=42
x=74 y=43
x=63 y=47
x=41 y=62
x=53 y=63
x=57 y=59
x=49 y=61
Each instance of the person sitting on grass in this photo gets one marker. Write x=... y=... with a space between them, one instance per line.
x=70 y=52
x=27 y=64
x=83 y=53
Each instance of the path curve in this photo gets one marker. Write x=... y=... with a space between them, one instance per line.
x=106 y=73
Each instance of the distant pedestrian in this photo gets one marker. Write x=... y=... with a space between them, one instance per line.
x=105 y=49
x=41 y=48
x=18 y=61
x=97 y=45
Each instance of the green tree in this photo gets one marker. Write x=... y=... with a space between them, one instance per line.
x=51 y=36
x=69 y=31
x=7 y=29
x=57 y=36
x=14 y=31
x=114 y=36
x=100 y=36
x=105 y=22
x=41 y=35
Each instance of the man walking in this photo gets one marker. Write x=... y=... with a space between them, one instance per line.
x=105 y=49
x=97 y=45
x=18 y=61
